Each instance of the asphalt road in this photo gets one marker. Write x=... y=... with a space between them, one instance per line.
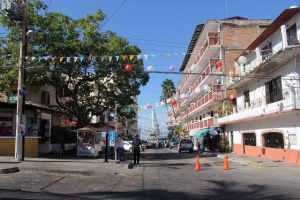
x=162 y=174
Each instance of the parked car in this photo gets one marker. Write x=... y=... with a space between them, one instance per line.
x=173 y=143
x=185 y=145
x=146 y=144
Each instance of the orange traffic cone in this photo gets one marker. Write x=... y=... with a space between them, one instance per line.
x=197 y=165
x=226 y=165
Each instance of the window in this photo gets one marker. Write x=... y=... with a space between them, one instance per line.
x=45 y=98
x=246 y=96
x=291 y=34
x=274 y=90
x=273 y=140
x=249 y=139
x=267 y=51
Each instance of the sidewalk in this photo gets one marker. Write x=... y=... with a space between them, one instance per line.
x=256 y=161
x=63 y=165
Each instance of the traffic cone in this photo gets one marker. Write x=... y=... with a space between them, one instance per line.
x=197 y=165
x=226 y=165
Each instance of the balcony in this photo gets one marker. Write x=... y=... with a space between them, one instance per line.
x=258 y=109
x=204 y=123
x=209 y=49
x=261 y=66
x=207 y=76
x=208 y=100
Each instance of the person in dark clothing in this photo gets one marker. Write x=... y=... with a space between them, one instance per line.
x=136 y=143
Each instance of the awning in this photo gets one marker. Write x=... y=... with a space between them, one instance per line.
x=201 y=132
x=193 y=131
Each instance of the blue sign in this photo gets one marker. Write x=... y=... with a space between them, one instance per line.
x=112 y=138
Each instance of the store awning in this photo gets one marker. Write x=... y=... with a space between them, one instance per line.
x=201 y=132
x=193 y=131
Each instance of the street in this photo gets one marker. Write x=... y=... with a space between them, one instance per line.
x=162 y=174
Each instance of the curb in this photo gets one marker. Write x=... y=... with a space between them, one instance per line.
x=56 y=171
x=243 y=161
x=9 y=170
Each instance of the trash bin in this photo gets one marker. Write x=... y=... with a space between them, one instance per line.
x=101 y=154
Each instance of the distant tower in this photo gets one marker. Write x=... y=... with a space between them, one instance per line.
x=155 y=124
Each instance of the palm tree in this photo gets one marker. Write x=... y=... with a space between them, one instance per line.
x=168 y=90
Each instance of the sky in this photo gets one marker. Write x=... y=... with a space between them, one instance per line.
x=161 y=27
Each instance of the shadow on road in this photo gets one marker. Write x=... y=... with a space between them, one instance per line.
x=215 y=190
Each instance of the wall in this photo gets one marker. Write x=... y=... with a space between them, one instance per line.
x=7 y=147
x=34 y=94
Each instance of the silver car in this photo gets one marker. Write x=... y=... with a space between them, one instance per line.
x=185 y=145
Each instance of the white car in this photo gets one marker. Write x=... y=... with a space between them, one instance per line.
x=127 y=145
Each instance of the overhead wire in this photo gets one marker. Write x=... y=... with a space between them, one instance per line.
x=113 y=14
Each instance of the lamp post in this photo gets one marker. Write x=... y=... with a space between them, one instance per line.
x=116 y=130
x=20 y=118
x=106 y=135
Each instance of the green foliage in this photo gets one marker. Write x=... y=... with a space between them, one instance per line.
x=180 y=129
x=128 y=137
x=83 y=88
x=168 y=90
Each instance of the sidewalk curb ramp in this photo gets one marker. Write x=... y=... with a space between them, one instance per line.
x=9 y=170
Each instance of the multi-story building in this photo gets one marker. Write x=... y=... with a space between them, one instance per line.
x=211 y=54
x=266 y=80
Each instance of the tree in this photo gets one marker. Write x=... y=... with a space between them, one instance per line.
x=179 y=129
x=168 y=91
x=85 y=86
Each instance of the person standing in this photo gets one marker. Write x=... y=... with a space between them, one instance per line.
x=120 y=147
x=136 y=143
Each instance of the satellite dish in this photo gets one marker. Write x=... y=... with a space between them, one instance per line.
x=294 y=6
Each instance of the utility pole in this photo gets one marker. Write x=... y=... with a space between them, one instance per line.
x=20 y=117
x=116 y=130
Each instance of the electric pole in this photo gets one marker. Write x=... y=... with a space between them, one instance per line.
x=20 y=117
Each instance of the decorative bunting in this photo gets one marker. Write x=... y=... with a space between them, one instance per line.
x=53 y=58
x=145 y=56
x=110 y=58
x=61 y=59
x=124 y=57
x=138 y=56
x=131 y=57
x=68 y=59
x=117 y=58
x=102 y=58
x=81 y=58
x=75 y=59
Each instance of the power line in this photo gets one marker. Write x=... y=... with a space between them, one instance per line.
x=113 y=14
x=48 y=5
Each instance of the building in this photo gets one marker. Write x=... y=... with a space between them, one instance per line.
x=213 y=48
x=37 y=127
x=266 y=80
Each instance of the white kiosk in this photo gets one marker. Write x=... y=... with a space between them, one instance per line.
x=88 y=142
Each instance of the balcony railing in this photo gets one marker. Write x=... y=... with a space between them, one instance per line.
x=211 y=68
x=205 y=123
x=216 y=94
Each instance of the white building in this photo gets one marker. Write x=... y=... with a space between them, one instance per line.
x=266 y=80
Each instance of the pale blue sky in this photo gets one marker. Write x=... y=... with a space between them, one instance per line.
x=165 y=26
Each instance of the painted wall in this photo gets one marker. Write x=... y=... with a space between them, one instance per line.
x=7 y=147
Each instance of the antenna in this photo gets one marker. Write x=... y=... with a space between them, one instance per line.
x=226 y=10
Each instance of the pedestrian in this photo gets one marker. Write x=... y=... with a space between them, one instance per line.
x=201 y=143
x=136 y=143
x=120 y=147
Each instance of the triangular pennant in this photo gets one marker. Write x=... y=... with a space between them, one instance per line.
x=146 y=56
x=26 y=57
x=40 y=59
x=61 y=59
x=75 y=59
x=153 y=55
x=138 y=56
x=33 y=58
x=102 y=58
x=68 y=59
x=183 y=53
x=81 y=58
x=94 y=58
x=88 y=58
x=168 y=54
x=176 y=54
x=131 y=57
x=46 y=58
x=109 y=57
x=124 y=57
x=117 y=58
x=53 y=58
